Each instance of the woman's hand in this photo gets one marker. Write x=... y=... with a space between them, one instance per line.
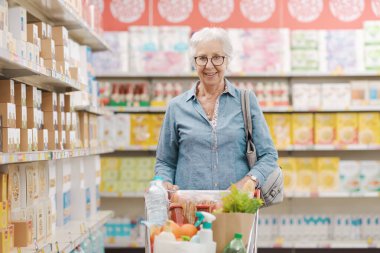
x=170 y=187
x=245 y=184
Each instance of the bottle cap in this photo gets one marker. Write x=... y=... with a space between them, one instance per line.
x=238 y=236
x=158 y=178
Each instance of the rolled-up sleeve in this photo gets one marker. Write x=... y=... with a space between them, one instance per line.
x=167 y=149
x=266 y=152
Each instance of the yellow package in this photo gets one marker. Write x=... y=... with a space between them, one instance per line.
x=140 y=134
x=328 y=174
x=347 y=128
x=325 y=128
x=110 y=169
x=307 y=180
x=369 y=128
x=156 y=121
x=281 y=124
x=289 y=169
x=302 y=124
x=268 y=119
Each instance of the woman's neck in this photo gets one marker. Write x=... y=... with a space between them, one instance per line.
x=210 y=91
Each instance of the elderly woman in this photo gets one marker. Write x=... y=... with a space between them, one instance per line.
x=202 y=144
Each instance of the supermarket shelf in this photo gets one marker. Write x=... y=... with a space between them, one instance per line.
x=8 y=158
x=12 y=66
x=332 y=194
x=321 y=245
x=57 y=12
x=278 y=109
x=289 y=149
x=331 y=148
x=288 y=195
x=72 y=234
x=123 y=246
x=120 y=75
x=94 y=110
x=122 y=194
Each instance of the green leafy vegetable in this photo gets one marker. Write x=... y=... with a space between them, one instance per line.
x=240 y=202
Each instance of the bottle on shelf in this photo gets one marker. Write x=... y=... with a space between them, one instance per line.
x=156 y=201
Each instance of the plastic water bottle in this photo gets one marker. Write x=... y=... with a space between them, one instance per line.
x=156 y=201
x=236 y=245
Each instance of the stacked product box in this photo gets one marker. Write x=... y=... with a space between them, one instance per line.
x=260 y=50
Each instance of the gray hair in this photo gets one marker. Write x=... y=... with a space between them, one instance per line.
x=210 y=34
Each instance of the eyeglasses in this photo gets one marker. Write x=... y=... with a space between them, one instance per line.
x=216 y=60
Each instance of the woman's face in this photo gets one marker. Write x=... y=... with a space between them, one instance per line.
x=210 y=74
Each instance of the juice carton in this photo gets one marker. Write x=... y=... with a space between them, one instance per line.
x=349 y=176
x=325 y=128
x=281 y=125
x=140 y=125
x=289 y=169
x=268 y=119
x=307 y=175
x=302 y=124
x=347 y=128
x=155 y=123
x=328 y=174
x=110 y=169
x=369 y=128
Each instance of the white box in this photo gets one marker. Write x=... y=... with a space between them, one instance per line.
x=78 y=190
x=349 y=174
x=52 y=178
x=370 y=176
x=17 y=22
x=63 y=174
x=331 y=93
x=21 y=49
x=51 y=215
x=32 y=186
x=43 y=176
x=92 y=182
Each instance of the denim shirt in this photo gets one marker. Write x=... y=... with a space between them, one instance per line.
x=195 y=156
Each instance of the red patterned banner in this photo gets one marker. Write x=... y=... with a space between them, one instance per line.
x=293 y=14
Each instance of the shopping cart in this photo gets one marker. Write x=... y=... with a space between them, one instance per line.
x=252 y=241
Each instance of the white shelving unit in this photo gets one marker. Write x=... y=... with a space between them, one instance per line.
x=122 y=194
x=72 y=234
x=321 y=245
x=57 y=12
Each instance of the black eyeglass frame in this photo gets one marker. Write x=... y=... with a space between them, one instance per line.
x=213 y=57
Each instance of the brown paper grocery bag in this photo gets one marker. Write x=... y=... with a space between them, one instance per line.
x=227 y=224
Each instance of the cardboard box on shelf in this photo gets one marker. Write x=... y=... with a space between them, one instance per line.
x=347 y=128
x=3 y=187
x=62 y=139
x=70 y=139
x=74 y=73
x=30 y=171
x=31 y=96
x=50 y=64
x=53 y=140
x=369 y=176
x=84 y=128
x=63 y=67
x=21 y=117
x=20 y=93
x=21 y=49
x=32 y=117
x=8 y=115
x=41 y=223
x=17 y=22
x=11 y=43
x=43 y=140
x=282 y=129
x=74 y=121
x=69 y=103
x=62 y=54
x=7 y=91
x=32 y=33
x=26 y=136
x=17 y=139
x=41 y=119
x=42 y=30
x=49 y=101
x=39 y=99
x=61 y=102
x=35 y=139
x=61 y=36
x=16 y=185
x=68 y=121
x=51 y=120
x=48 y=49
x=23 y=231
x=61 y=121
x=8 y=140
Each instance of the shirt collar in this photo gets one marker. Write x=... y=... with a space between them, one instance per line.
x=230 y=89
